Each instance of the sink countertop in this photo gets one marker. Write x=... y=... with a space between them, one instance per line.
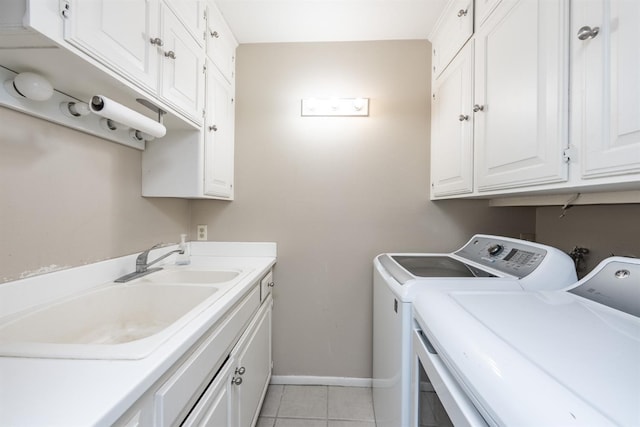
x=75 y=392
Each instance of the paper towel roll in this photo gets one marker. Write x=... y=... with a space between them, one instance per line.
x=105 y=107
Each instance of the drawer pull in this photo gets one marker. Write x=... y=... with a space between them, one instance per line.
x=462 y=12
x=236 y=380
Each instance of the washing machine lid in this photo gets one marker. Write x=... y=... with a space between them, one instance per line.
x=538 y=358
x=438 y=266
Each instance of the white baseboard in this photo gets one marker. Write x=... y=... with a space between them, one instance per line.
x=309 y=380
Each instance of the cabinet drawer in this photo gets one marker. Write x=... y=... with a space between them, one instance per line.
x=266 y=284
x=175 y=397
x=454 y=28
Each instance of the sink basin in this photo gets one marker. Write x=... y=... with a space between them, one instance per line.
x=125 y=321
x=200 y=277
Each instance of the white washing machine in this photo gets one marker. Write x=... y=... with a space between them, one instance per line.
x=485 y=262
x=567 y=357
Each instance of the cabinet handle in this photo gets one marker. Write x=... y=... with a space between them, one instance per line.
x=241 y=370
x=271 y=284
x=171 y=54
x=463 y=117
x=477 y=108
x=587 y=32
x=156 y=41
x=213 y=128
x=214 y=34
x=236 y=380
x=462 y=12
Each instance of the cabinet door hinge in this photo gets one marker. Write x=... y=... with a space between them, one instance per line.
x=65 y=8
x=568 y=154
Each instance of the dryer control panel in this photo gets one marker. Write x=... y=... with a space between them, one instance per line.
x=514 y=257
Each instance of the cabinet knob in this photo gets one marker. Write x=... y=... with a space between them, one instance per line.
x=477 y=108
x=241 y=370
x=171 y=54
x=236 y=380
x=157 y=41
x=213 y=128
x=271 y=284
x=214 y=34
x=463 y=117
x=587 y=32
x=462 y=12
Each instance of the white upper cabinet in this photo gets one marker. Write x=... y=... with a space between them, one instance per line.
x=452 y=127
x=120 y=34
x=182 y=66
x=605 y=36
x=483 y=9
x=521 y=95
x=452 y=31
x=144 y=41
x=219 y=136
x=221 y=45
x=192 y=14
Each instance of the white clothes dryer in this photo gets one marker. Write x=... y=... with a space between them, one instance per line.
x=485 y=262
x=567 y=357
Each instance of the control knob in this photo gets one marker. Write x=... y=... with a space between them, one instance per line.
x=495 y=249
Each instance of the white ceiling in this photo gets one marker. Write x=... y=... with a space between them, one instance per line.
x=277 y=21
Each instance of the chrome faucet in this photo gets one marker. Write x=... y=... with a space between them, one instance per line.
x=142 y=265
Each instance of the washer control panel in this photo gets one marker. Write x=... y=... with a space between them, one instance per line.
x=517 y=258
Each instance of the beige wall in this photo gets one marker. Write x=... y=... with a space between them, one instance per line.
x=603 y=229
x=68 y=199
x=334 y=192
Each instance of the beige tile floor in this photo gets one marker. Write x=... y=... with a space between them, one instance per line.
x=317 y=406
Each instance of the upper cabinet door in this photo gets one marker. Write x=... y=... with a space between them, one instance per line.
x=191 y=13
x=221 y=45
x=219 y=136
x=452 y=128
x=453 y=30
x=521 y=94
x=606 y=86
x=182 y=67
x=483 y=10
x=120 y=34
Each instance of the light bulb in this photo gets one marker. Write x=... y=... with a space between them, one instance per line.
x=29 y=85
x=74 y=109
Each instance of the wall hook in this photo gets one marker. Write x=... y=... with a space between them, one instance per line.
x=568 y=205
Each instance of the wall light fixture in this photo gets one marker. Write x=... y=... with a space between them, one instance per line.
x=29 y=85
x=330 y=107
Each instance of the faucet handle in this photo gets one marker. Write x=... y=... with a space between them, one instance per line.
x=142 y=258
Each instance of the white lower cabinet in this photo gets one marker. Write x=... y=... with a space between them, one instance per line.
x=233 y=398
x=222 y=381
x=253 y=367
x=214 y=407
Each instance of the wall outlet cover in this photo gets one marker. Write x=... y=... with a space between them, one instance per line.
x=202 y=232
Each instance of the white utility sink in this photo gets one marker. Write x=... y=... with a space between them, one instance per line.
x=192 y=276
x=116 y=321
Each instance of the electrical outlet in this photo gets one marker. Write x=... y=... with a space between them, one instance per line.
x=202 y=232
